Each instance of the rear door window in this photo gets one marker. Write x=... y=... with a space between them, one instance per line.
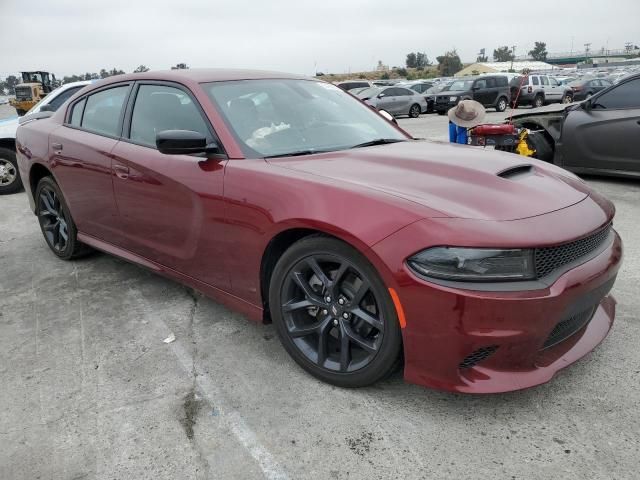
x=535 y=80
x=502 y=81
x=544 y=80
x=491 y=82
x=480 y=84
x=76 y=113
x=103 y=111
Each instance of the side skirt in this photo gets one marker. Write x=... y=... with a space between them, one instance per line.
x=231 y=301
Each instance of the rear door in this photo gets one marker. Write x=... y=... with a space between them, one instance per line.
x=82 y=154
x=171 y=206
x=552 y=89
x=404 y=97
x=388 y=101
x=607 y=136
x=481 y=92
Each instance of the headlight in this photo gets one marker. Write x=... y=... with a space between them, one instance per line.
x=453 y=99
x=474 y=264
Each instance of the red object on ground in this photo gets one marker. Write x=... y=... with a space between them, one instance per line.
x=211 y=228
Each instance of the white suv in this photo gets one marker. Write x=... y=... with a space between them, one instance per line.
x=10 y=180
x=537 y=90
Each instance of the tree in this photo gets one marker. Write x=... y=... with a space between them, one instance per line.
x=180 y=66
x=141 y=69
x=539 y=52
x=411 y=60
x=449 y=63
x=422 y=60
x=104 y=73
x=10 y=84
x=115 y=71
x=502 y=54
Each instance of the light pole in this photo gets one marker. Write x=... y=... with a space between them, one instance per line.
x=513 y=56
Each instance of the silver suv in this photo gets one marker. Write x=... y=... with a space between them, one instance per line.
x=537 y=90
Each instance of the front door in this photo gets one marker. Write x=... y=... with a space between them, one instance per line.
x=171 y=206
x=607 y=135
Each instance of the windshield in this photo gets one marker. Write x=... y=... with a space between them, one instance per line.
x=277 y=117
x=460 y=85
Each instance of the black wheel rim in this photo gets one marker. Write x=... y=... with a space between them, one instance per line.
x=52 y=219
x=331 y=313
x=415 y=111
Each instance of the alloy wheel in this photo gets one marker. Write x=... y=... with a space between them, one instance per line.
x=8 y=172
x=331 y=313
x=53 y=219
x=414 y=111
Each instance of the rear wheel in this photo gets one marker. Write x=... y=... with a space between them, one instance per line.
x=568 y=98
x=10 y=181
x=441 y=112
x=415 y=110
x=56 y=223
x=502 y=104
x=538 y=101
x=333 y=314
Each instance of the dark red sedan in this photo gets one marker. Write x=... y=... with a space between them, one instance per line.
x=291 y=201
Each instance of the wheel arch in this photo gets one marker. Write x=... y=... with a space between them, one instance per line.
x=36 y=173
x=9 y=143
x=292 y=232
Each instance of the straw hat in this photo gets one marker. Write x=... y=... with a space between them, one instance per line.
x=468 y=113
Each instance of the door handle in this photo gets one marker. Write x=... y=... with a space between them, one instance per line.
x=121 y=171
x=56 y=146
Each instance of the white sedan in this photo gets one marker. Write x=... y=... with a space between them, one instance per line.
x=10 y=180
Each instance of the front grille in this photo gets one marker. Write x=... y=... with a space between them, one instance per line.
x=477 y=356
x=548 y=259
x=442 y=99
x=568 y=327
x=23 y=93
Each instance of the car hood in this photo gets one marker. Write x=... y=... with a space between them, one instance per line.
x=547 y=109
x=452 y=93
x=8 y=128
x=455 y=180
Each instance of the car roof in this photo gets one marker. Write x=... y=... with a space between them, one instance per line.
x=204 y=75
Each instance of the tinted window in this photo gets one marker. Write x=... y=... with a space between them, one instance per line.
x=63 y=97
x=553 y=82
x=502 y=81
x=594 y=83
x=480 y=84
x=390 y=92
x=403 y=92
x=160 y=108
x=606 y=83
x=535 y=80
x=491 y=82
x=76 y=112
x=626 y=95
x=544 y=80
x=103 y=109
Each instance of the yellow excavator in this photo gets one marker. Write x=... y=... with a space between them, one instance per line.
x=33 y=88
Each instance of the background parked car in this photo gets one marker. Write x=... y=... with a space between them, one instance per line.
x=419 y=86
x=599 y=135
x=537 y=90
x=395 y=100
x=490 y=90
x=430 y=95
x=351 y=84
x=586 y=87
x=10 y=180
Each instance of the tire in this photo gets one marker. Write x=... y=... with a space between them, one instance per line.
x=10 y=181
x=56 y=221
x=538 y=142
x=319 y=276
x=502 y=104
x=589 y=94
x=415 y=110
x=567 y=98
x=20 y=112
x=441 y=112
x=538 y=101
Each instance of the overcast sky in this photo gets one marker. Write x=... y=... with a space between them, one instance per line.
x=76 y=36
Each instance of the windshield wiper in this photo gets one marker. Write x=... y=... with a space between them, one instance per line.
x=377 y=141
x=298 y=153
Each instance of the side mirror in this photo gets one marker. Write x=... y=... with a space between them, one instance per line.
x=183 y=142
x=586 y=105
x=380 y=95
x=475 y=88
x=47 y=108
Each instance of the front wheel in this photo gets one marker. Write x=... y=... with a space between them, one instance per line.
x=56 y=223
x=415 y=110
x=333 y=313
x=538 y=101
x=20 y=112
x=10 y=181
x=568 y=98
x=501 y=106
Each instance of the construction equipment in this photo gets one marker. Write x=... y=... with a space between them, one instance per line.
x=33 y=88
x=506 y=137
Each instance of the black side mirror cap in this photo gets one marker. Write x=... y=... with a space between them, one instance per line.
x=184 y=142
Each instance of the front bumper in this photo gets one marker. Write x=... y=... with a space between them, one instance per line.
x=493 y=341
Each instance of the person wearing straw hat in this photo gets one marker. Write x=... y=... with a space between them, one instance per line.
x=466 y=114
